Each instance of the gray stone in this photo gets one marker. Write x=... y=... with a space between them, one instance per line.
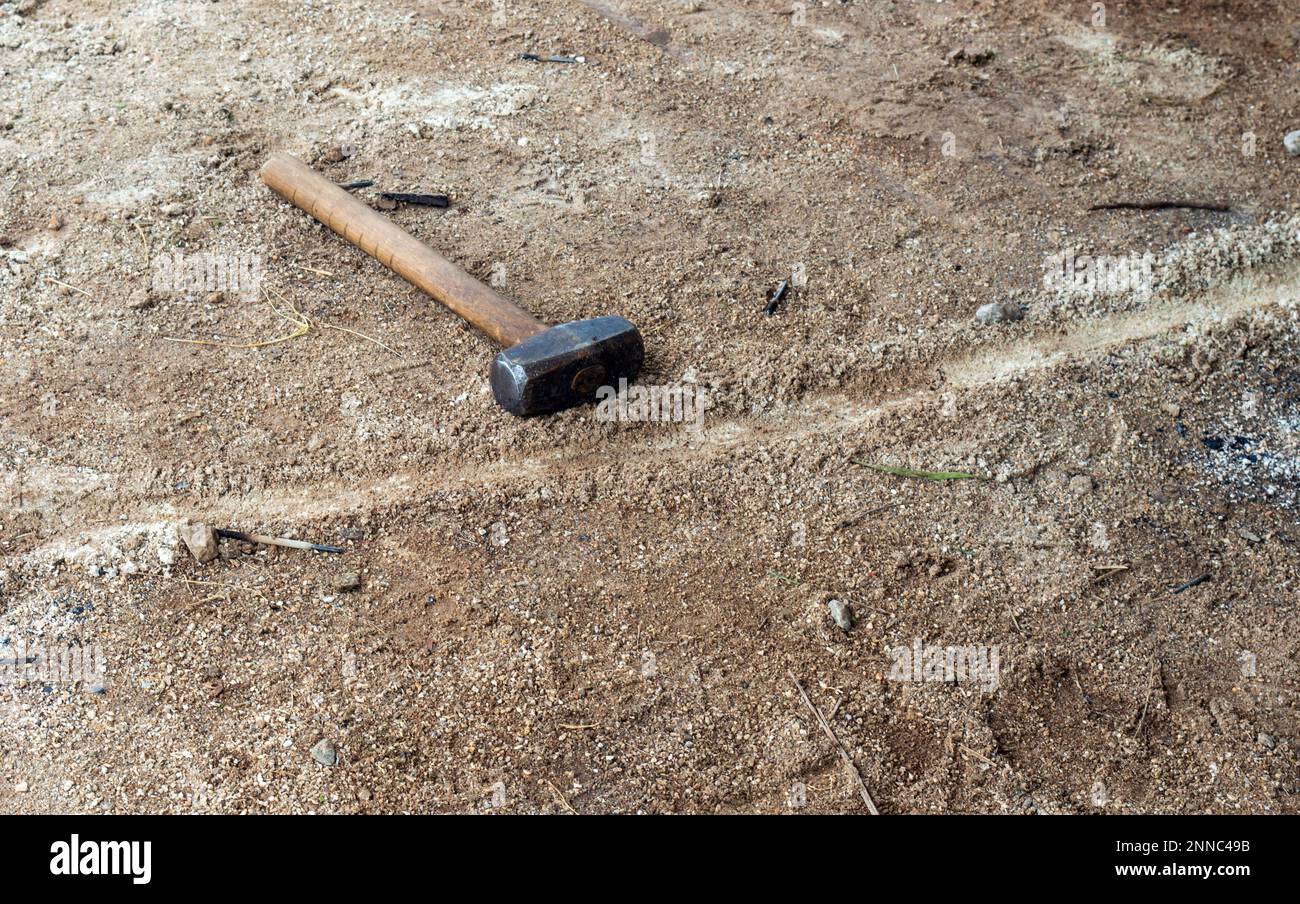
x=1081 y=485
x=841 y=613
x=1292 y=143
x=347 y=581
x=1266 y=740
x=997 y=312
x=199 y=539
x=1100 y=794
x=325 y=752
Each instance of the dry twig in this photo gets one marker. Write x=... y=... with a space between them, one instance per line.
x=59 y=282
x=560 y=797
x=844 y=754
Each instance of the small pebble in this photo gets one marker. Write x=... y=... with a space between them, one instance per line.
x=996 y=312
x=1292 y=143
x=976 y=56
x=325 y=752
x=347 y=581
x=21 y=788
x=1100 y=794
x=1266 y=740
x=55 y=223
x=841 y=613
x=200 y=540
x=707 y=199
x=1081 y=485
x=339 y=153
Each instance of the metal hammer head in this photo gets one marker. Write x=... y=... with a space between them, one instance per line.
x=565 y=365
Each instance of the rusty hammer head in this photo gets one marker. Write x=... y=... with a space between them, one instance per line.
x=564 y=365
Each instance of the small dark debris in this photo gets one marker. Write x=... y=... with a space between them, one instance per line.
x=775 y=301
x=1162 y=205
x=556 y=58
x=972 y=55
x=402 y=197
x=1213 y=443
x=1194 y=582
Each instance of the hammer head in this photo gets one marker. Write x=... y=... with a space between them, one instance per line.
x=565 y=365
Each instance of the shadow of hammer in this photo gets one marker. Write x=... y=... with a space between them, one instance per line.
x=542 y=368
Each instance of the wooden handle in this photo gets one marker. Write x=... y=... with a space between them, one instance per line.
x=399 y=251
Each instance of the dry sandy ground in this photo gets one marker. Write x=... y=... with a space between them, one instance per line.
x=567 y=615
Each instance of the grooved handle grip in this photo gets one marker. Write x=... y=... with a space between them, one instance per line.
x=398 y=250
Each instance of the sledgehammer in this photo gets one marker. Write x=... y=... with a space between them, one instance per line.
x=542 y=369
